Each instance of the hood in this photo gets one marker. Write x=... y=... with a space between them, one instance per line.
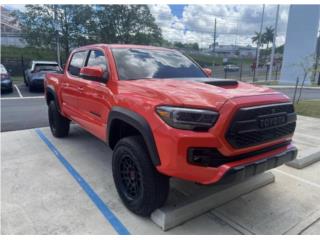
x=207 y=92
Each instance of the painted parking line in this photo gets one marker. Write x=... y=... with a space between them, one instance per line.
x=104 y=209
x=20 y=98
x=18 y=90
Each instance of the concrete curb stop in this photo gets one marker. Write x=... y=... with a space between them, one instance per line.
x=203 y=199
x=306 y=158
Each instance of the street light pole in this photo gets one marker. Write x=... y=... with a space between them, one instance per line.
x=273 y=44
x=259 y=42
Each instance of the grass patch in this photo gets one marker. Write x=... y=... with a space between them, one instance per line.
x=308 y=108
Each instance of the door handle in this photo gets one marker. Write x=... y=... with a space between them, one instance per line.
x=81 y=89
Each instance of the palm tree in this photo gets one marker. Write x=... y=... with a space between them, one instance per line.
x=268 y=36
x=255 y=38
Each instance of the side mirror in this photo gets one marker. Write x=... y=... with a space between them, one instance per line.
x=207 y=71
x=94 y=73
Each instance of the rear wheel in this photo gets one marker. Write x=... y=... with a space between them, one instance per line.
x=59 y=125
x=140 y=186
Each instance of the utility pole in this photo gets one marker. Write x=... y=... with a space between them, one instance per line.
x=56 y=28
x=273 y=44
x=259 y=42
x=317 y=61
x=214 y=35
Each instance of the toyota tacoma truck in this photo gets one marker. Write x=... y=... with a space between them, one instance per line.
x=164 y=116
x=34 y=76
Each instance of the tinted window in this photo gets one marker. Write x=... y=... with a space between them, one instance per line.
x=77 y=62
x=46 y=67
x=145 y=63
x=97 y=58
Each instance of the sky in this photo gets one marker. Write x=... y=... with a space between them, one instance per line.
x=236 y=24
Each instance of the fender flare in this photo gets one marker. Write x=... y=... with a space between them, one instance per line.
x=139 y=123
x=52 y=91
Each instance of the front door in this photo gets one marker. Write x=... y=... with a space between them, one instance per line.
x=93 y=102
x=71 y=85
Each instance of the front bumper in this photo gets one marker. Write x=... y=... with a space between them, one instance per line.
x=173 y=146
x=244 y=171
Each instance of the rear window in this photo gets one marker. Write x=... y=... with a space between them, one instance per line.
x=46 y=67
x=134 y=63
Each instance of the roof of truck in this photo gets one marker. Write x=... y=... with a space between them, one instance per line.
x=124 y=46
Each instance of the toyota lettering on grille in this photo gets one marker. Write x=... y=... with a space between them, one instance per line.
x=272 y=121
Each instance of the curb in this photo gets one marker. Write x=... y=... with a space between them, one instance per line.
x=308 y=157
x=205 y=199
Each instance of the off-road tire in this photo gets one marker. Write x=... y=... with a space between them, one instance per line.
x=59 y=125
x=153 y=187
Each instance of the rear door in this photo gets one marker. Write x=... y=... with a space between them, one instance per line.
x=73 y=85
x=93 y=102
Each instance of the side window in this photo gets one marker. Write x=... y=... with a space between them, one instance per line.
x=97 y=58
x=77 y=62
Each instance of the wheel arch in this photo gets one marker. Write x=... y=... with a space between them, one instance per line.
x=136 y=124
x=52 y=96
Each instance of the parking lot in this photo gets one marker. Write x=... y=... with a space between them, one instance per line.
x=65 y=186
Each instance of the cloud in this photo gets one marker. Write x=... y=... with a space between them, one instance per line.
x=236 y=24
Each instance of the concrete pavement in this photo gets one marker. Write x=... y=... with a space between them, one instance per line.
x=39 y=196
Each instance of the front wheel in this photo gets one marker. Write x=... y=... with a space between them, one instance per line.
x=59 y=125
x=140 y=186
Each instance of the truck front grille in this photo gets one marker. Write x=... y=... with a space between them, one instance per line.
x=256 y=125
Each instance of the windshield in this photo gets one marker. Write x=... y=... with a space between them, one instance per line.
x=47 y=67
x=135 y=63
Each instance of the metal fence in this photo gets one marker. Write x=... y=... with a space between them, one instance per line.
x=245 y=73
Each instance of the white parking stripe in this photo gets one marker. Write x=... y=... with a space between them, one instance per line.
x=18 y=90
x=20 y=98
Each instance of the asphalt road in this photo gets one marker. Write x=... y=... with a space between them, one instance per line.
x=23 y=113
x=28 y=110
x=306 y=94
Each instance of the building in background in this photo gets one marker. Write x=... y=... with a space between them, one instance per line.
x=300 y=47
x=234 y=51
x=11 y=34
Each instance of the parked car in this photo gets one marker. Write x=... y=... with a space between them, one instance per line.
x=231 y=68
x=6 y=82
x=164 y=117
x=34 y=75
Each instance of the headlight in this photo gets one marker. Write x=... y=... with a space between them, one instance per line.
x=187 y=118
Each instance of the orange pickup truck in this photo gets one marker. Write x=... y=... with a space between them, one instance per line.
x=164 y=116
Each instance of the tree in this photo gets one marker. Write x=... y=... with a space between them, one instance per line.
x=268 y=36
x=255 y=38
x=84 y=24
x=40 y=22
x=126 y=24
